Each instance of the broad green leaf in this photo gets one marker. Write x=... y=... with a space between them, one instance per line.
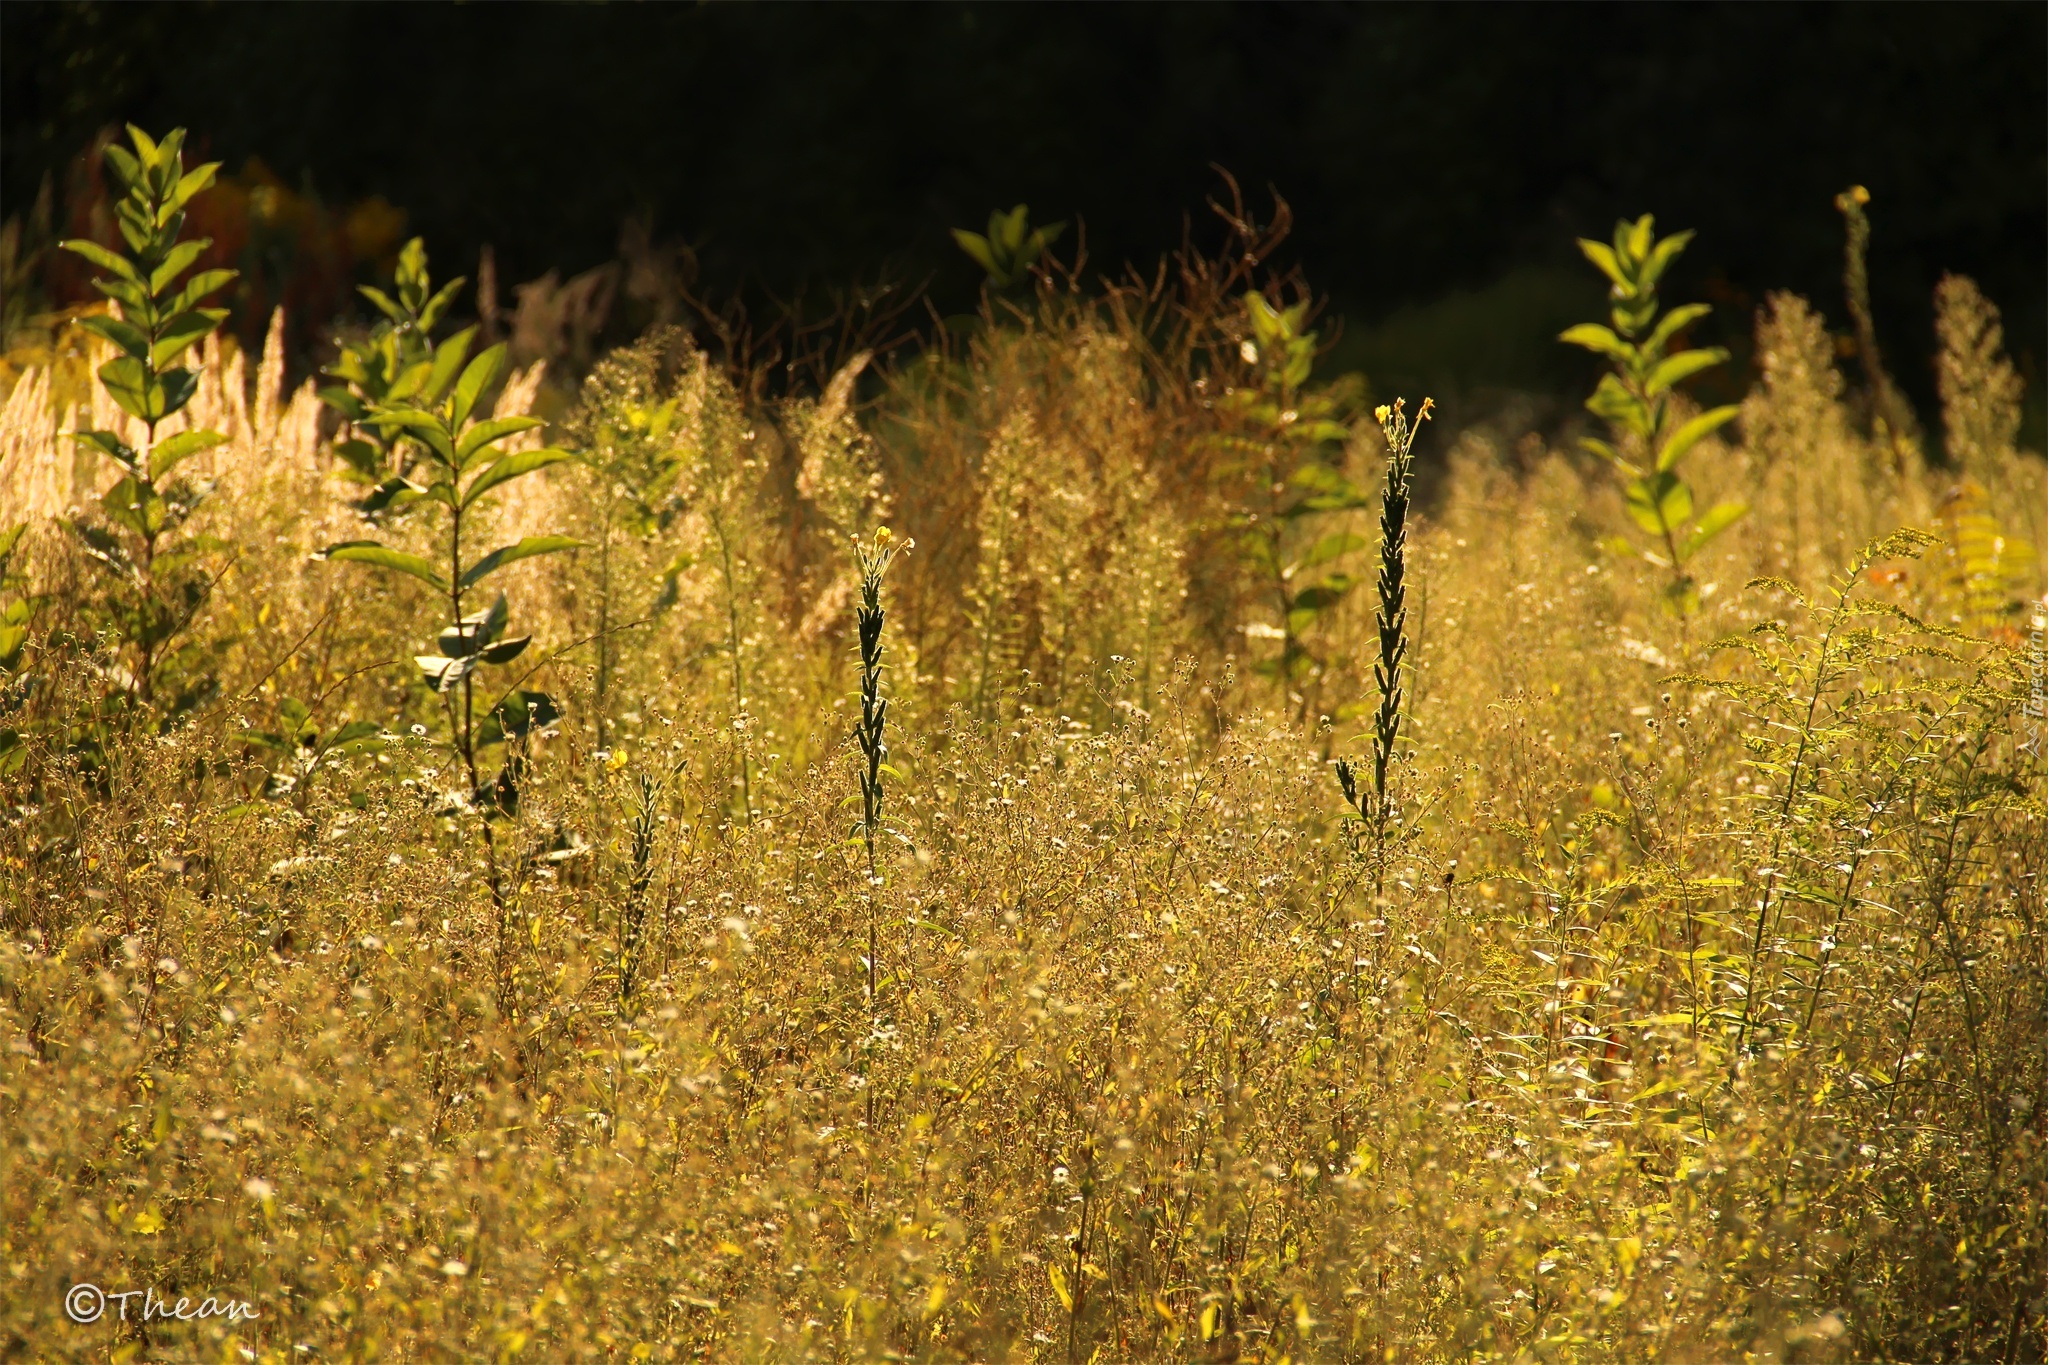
x=383 y=557
x=523 y=711
x=393 y=492
x=382 y=302
x=474 y=631
x=424 y=427
x=199 y=286
x=1602 y=255
x=364 y=460
x=1660 y=502
x=511 y=467
x=178 y=387
x=448 y=358
x=1323 y=595
x=1614 y=402
x=181 y=330
x=1333 y=546
x=126 y=336
x=108 y=444
x=130 y=384
x=1607 y=452
x=1672 y=323
x=442 y=673
x=103 y=258
x=484 y=433
x=191 y=183
x=1678 y=368
x=1711 y=523
x=133 y=504
x=525 y=548
x=431 y=310
x=135 y=301
x=505 y=651
x=172 y=449
x=1602 y=340
x=1659 y=258
x=345 y=402
x=176 y=262
x=353 y=733
x=1693 y=432
x=976 y=246
x=476 y=377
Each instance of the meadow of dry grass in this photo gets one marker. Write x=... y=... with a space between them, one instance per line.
x=1694 y=1009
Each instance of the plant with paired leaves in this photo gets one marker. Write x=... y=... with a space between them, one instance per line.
x=1650 y=436
x=158 y=588
x=388 y=367
x=462 y=460
x=1292 y=454
x=1372 y=807
x=1011 y=247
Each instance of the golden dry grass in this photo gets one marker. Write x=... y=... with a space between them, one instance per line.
x=1702 y=1018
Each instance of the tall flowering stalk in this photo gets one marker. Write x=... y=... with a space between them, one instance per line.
x=1392 y=618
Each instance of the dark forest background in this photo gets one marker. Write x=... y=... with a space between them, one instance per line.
x=1439 y=159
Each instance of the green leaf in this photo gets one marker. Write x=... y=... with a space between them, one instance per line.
x=131 y=385
x=103 y=258
x=383 y=557
x=345 y=402
x=108 y=444
x=1678 y=368
x=176 y=262
x=1602 y=340
x=1323 y=595
x=474 y=631
x=133 y=504
x=1711 y=523
x=511 y=467
x=1333 y=546
x=1693 y=432
x=364 y=460
x=430 y=312
x=442 y=673
x=172 y=449
x=475 y=379
x=505 y=651
x=424 y=427
x=1659 y=502
x=353 y=734
x=448 y=358
x=976 y=246
x=193 y=182
x=199 y=286
x=1672 y=323
x=1602 y=255
x=382 y=302
x=125 y=335
x=180 y=331
x=525 y=548
x=484 y=433
x=1612 y=400
x=393 y=492
x=1656 y=260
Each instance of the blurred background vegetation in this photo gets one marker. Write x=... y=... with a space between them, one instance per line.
x=1439 y=160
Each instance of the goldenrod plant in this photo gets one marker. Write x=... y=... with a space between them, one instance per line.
x=157 y=577
x=1896 y=428
x=1651 y=433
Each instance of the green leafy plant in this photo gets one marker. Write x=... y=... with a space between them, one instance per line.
x=463 y=461
x=158 y=585
x=1635 y=399
x=1391 y=620
x=389 y=366
x=1011 y=247
x=1291 y=453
